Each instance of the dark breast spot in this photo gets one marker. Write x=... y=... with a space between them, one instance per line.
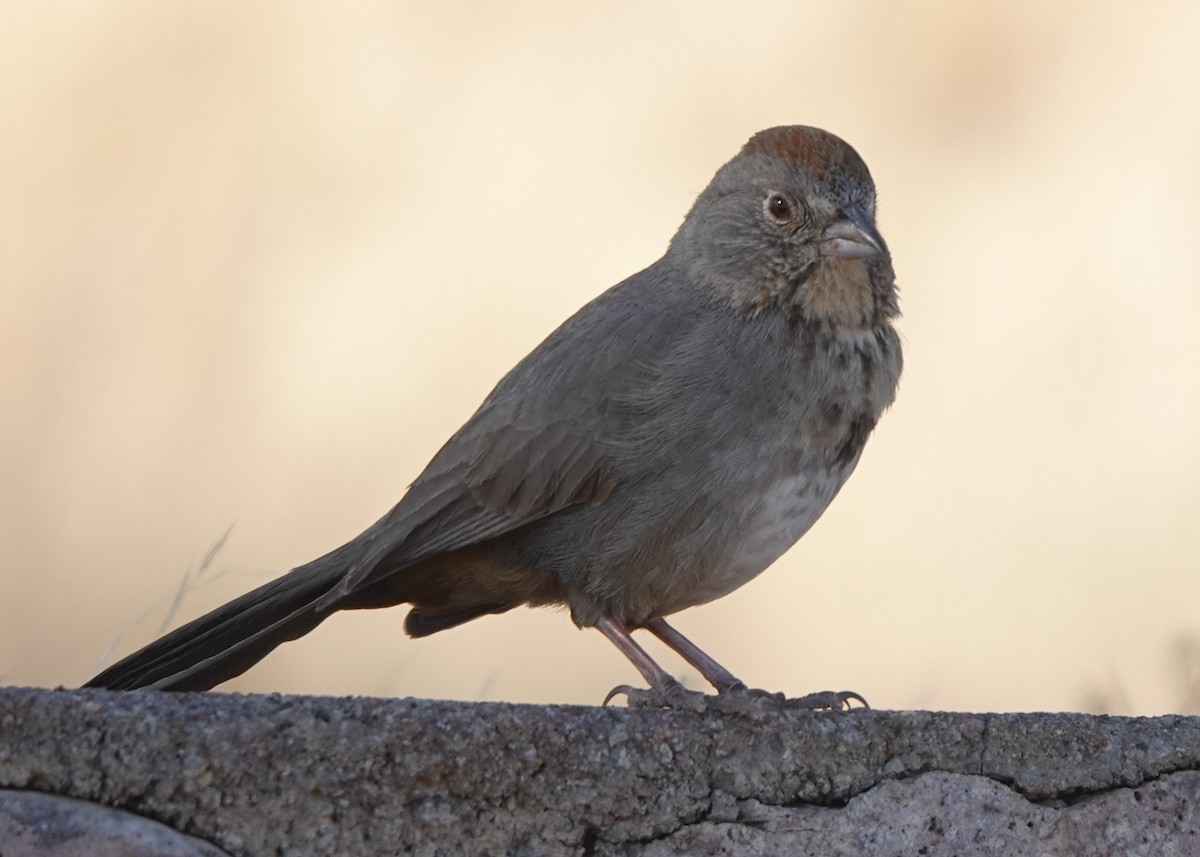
x=854 y=438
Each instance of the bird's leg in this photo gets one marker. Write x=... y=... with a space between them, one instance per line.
x=654 y=675
x=664 y=690
x=726 y=682
x=715 y=674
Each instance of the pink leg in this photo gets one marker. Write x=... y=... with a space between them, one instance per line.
x=716 y=675
x=725 y=681
x=655 y=676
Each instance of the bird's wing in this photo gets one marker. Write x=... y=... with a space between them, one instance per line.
x=540 y=443
x=485 y=484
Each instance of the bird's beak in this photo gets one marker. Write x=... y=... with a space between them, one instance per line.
x=852 y=237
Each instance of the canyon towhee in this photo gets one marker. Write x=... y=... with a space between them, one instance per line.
x=662 y=447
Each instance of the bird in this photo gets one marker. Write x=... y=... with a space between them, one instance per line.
x=662 y=447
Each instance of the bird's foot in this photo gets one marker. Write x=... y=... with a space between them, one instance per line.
x=737 y=698
x=674 y=696
x=732 y=699
x=828 y=700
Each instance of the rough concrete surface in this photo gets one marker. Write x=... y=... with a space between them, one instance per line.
x=261 y=775
x=40 y=825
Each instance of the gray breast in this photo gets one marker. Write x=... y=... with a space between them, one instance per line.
x=727 y=452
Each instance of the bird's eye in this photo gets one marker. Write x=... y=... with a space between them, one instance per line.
x=779 y=207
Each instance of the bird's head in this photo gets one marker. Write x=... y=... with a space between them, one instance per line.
x=789 y=224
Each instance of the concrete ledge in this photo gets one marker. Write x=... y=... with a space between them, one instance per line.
x=257 y=775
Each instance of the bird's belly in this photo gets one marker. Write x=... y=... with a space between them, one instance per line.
x=783 y=512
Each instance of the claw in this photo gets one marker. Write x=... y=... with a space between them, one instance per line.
x=847 y=695
x=672 y=695
x=831 y=700
x=626 y=689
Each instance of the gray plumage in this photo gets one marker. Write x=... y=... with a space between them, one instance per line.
x=662 y=447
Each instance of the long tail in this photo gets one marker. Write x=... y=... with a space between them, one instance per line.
x=231 y=639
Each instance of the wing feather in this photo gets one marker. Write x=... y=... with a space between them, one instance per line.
x=540 y=443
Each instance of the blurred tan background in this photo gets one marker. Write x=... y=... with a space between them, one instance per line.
x=258 y=261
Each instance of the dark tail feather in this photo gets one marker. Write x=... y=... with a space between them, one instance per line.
x=231 y=639
x=421 y=622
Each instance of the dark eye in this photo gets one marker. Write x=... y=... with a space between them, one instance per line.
x=779 y=207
